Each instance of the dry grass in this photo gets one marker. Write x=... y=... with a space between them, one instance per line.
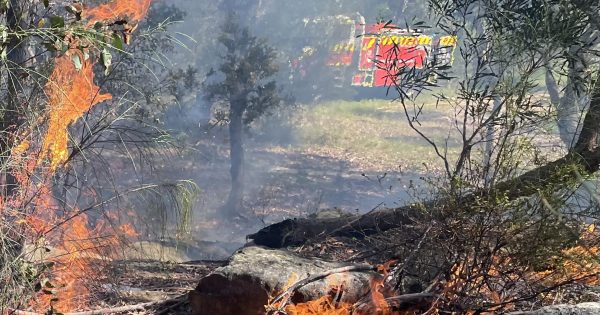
x=375 y=133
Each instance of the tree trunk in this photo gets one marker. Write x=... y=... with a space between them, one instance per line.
x=570 y=107
x=552 y=86
x=486 y=56
x=234 y=206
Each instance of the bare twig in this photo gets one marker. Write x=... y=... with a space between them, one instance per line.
x=103 y=311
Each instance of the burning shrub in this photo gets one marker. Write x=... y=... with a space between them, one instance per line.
x=52 y=248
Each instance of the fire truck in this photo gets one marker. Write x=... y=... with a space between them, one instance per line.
x=364 y=55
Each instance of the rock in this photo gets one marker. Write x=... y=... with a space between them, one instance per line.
x=591 y=308
x=253 y=275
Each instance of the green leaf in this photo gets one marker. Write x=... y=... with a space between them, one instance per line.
x=4 y=5
x=46 y=3
x=117 y=42
x=57 y=22
x=64 y=47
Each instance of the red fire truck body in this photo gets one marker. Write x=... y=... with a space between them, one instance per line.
x=373 y=52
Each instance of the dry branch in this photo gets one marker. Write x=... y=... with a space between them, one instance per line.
x=120 y=309
x=287 y=294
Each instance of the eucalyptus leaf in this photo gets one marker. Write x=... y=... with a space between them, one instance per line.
x=57 y=22
x=117 y=42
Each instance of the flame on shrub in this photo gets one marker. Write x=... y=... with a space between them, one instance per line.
x=133 y=10
x=72 y=93
x=70 y=245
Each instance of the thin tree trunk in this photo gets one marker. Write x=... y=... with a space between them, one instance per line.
x=570 y=108
x=568 y=111
x=236 y=195
x=552 y=86
x=486 y=57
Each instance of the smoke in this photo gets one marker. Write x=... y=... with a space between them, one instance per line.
x=286 y=175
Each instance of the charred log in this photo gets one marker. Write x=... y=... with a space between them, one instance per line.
x=294 y=232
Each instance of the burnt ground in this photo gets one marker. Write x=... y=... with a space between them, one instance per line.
x=163 y=285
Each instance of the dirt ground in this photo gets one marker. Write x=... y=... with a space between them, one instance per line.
x=306 y=162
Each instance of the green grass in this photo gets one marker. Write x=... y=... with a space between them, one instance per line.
x=375 y=130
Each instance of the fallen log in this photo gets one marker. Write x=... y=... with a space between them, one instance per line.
x=254 y=275
x=293 y=232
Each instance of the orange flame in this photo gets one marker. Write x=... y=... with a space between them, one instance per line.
x=134 y=10
x=71 y=93
x=322 y=306
x=325 y=305
x=377 y=285
x=75 y=247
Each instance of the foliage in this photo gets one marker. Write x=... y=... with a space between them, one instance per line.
x=62 y=202
x=507 y=209
x=244 y=78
